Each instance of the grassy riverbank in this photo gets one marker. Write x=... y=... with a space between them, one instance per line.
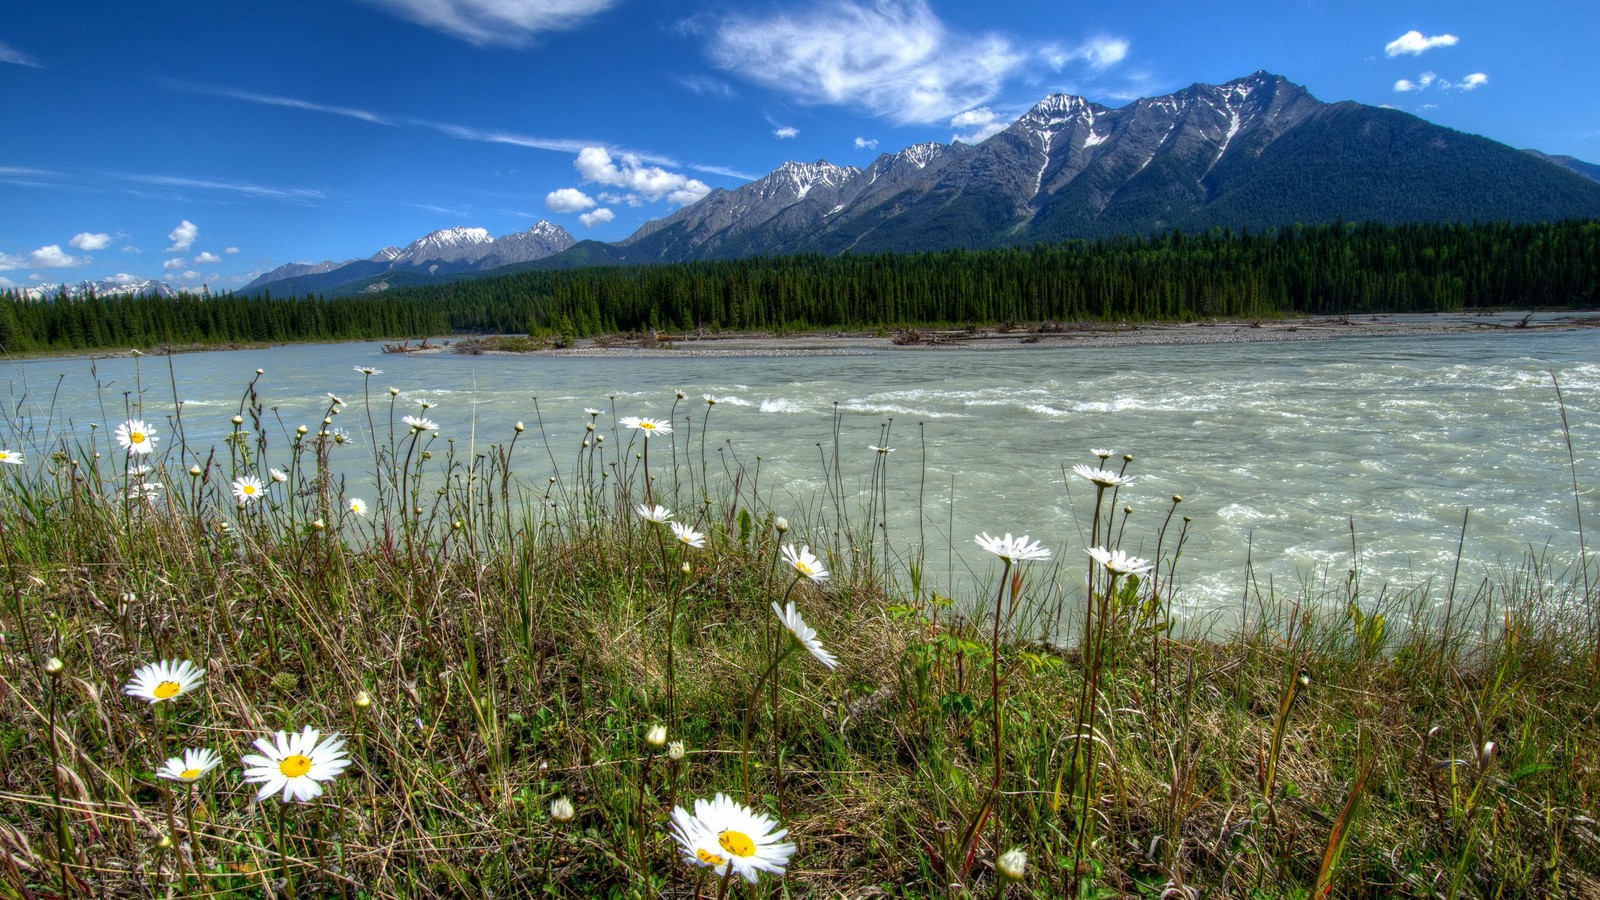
x=487 y=646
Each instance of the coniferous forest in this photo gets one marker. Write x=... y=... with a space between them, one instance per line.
x=1303 y=270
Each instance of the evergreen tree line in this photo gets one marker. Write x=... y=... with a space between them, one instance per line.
x=1316 y=270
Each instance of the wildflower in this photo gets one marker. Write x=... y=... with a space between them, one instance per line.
x=876 y=449
x=368 y=370
x=190 y=767
x=657 y=514
x=54 y=666
x=247 y=488
x=1013 y=864
x=675 y=751
x=318 y=525
x=688 y=536
x=656 y=737
x=238 y=420
x=648 y=426
x=805 y=562
x=805 y=634
x=518 y=426
x=340 y=436
x=1118 y=562
x=561 y=810
x=591 y=411
x=1102 y=477
x=1015 y=550
x=710 y=400
x=164 y=680
x=781 y=524
x=195 y=471
x=394 y=392
x=295 y=763
x=10 y=457
x=1103 y=454
x=418 y=423
x=136 y=436
x=278 y=475
x=336 y=401
x=723 y=833
x=363 y=700
x=357 y=506
x=300 y=430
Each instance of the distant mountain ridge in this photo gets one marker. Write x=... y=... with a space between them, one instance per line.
x=105 y=287
x=447 y=252
x=1254 y=153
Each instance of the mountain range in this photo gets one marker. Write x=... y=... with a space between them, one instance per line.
x=1256 y=152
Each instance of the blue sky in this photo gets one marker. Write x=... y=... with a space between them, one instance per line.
x=206 y=142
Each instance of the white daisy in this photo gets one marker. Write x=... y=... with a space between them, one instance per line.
x=295 y=763
x=248 y=488
x=1103 y=454
x=1013 y=864
x=10 y=457
x=648 y=426
x=1015 y=550
x=876 y=449
x=164 y=680
x=368 y=370
x=357 y=506
x=688 y=536
x=805 y=634
x=278 y=475
x=657 y=514
x=591 y=411
x=191 y=767
x=1103 y=477
x=1119 y=562
x=723 y=833
x=136 y=436
x=805 y=562
x=418 y=423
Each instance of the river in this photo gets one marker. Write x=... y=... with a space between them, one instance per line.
x=1279 y=450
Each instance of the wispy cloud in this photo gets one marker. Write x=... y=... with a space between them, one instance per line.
x=785 y=132
x=10 y=54
x=300 y=195
x=1473 y=82
x=1100 y=52
x=1414 y=43
x=866 y=143
x=893 y=58
x=273 y=100
x=978 y=124
x=713 y=87
x=1431 y=80
x=495 y=22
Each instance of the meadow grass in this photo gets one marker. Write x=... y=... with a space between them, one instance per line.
x=528 y=678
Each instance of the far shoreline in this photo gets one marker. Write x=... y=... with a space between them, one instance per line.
x=1068 y=337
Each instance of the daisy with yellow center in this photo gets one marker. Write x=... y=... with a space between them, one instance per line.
x=136 y=436
x=247 y=488
x=688 y=536
x=647 y=426
x=805 y=634
x=191 y=767
x=10 y=457
x=164 y=680
x=357 y=506
x=296 y=764
x=805 y=562
x=723 y=834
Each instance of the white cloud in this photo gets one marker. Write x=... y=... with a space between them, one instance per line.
x=1414 y=43
x=183 y=236
x=981 y=124
x=893 y=58
x=1100 y=52
x=272 y=100
x=51 y=256
x=785 y=132
x=190 y=276
x=85 y=240
x=567 y=200
x=9 y=54
x=231 y=250
x=9 y=262
x=174 y=264
x=598 y=217
x=503 y=22
x=1431 y=79
x=206 y=258
x=1405 y=84
x=647 y=183
x=1473 y=82
x=713 y=87
x=866 y=143
x=6 y=282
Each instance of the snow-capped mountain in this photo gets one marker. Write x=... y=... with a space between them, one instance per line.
x=1256 y=152
x=445 y=252
x=105 y=287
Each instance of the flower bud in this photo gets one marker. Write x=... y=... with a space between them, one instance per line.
x=561 y=810
x=363 y=700
x=1012 y=864
x=318 y=525
x=656 y=737
x=238 y=420
x=195 y=470
x=675 y=751
x=394 y=392
x=53 y=666
x=300 y=429
x=519 y=427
